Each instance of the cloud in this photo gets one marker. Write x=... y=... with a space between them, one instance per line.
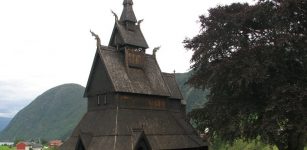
x=13 y=96
x=9 y=108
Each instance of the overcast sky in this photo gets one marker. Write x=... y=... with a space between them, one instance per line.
x=45 y=43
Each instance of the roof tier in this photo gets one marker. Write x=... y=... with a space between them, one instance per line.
x=163 y=129
x=148 y=81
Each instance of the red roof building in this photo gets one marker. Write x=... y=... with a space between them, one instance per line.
x=55 y=143
x=23 y=145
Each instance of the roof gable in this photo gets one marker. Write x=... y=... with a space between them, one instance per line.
x=80 y=145
x=172 y=86
x=147 y=81
x=99 y=81
x=140 y=140
x=133 y=36
x=86 y=139
x=163 y=129
x=110 y=74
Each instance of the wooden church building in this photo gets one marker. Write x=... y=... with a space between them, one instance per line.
x=131 y=103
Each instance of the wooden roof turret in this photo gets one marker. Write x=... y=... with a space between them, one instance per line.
x=127 y=31
x=128 y=14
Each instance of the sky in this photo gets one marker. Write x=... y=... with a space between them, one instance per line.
x=45 y=43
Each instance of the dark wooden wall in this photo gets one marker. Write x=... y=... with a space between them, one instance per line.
x=100 y=82
x=133 y=101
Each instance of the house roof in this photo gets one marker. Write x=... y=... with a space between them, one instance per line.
x=55 y=142
x=86 y=138
x=148 y=81
x=163 y=129
x=132 y=36
x=172 y=86
x=139 y=138
x=127 y=31
x=35 y=145
x=23 y=142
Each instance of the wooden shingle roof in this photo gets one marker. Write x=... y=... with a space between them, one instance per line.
x=128 y=13
x=148 y=81
x=172 y=86
x=132 y=36
x=163 y=129
x=126 y=31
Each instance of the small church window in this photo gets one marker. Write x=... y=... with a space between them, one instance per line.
x=140 y=50
x=98 y=100
x=105 y=99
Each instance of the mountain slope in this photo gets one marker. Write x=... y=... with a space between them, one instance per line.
x=195 y=98
x=4 y=122
x=53 y=114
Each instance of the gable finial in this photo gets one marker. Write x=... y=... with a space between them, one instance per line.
x=154 y=51
x=140 y=21
x=115 y=15
x=97 y=39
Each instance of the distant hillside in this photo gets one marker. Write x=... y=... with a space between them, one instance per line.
x=4 y=122
x=53 y=114
x=195 y=98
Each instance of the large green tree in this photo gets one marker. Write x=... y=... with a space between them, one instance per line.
x=253 y=58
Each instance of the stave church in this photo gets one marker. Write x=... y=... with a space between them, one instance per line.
x=131 y=103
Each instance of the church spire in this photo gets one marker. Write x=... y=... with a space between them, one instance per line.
x=128 y=14
x=127 y=31
x=127 y=2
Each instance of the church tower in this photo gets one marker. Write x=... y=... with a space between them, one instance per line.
x=131 y=103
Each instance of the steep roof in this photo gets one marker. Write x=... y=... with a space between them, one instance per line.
x=148 y=80
x=86 y=138
x=128 y=13
x=127 y=31
x=132 y=36
x=164 y=129
x=172 y=85
x=139 y=139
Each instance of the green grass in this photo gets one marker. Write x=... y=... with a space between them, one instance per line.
x=241 y=145
x=7 y=148
x=14 y=148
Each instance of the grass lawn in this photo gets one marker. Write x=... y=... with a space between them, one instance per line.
x=241 y=145
x=7 y=148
